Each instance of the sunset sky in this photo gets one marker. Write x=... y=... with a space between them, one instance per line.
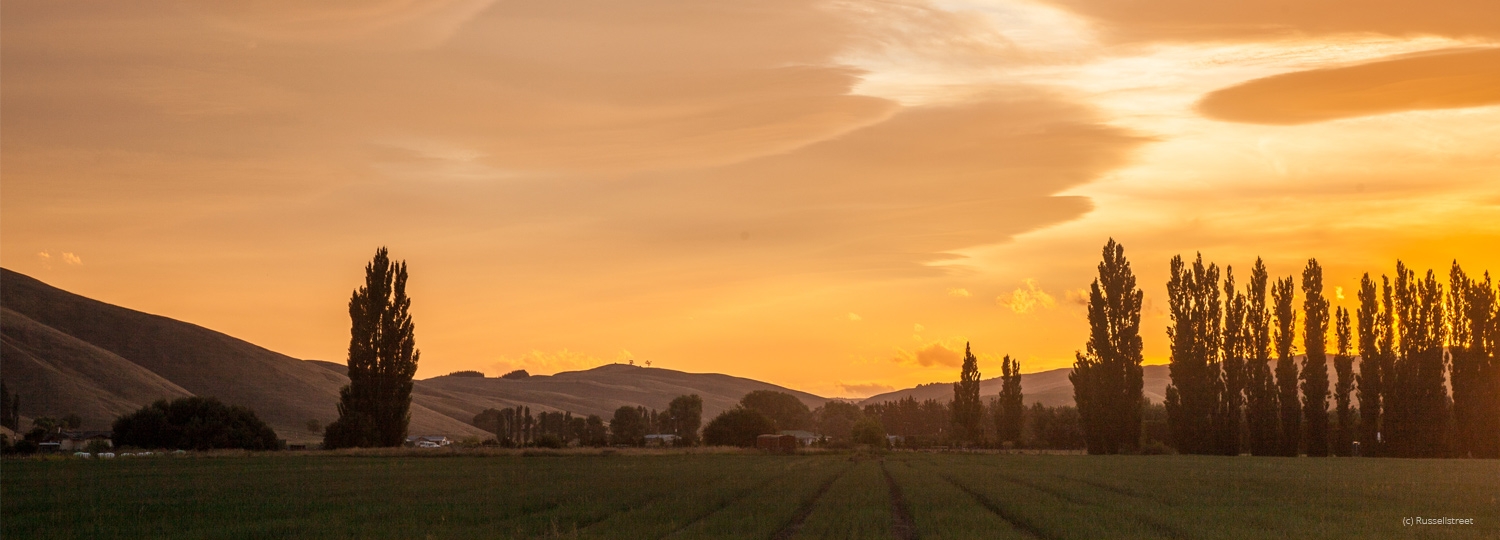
x=830 y=196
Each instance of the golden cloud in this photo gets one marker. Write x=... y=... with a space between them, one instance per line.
x=937 y=353
x=1216 y=21
x=545 y=363
x=1028 y=299
x=959 y=293
x=1434 y=80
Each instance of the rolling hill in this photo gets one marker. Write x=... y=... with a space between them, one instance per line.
x=1050 y=388
x=64 y=353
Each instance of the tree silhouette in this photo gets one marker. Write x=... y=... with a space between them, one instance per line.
x=1193 y=396
x=374 y=408
x=1371 y=368
x=1011 y=409
x=1343 y=364
x=1262 y=403
x=1286 y=367
x=968 y=410
x=1315 y=362
x=1107 y=377
x=1235 y=346
x=686 y=415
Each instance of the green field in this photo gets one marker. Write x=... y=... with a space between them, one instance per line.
x=845 y=496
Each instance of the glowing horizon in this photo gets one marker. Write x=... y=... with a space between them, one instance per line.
x=828 y=196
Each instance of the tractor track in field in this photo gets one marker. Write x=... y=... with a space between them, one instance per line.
x=1156 y=525
x=902 y=525
x=790 y=529
x=1015 y=521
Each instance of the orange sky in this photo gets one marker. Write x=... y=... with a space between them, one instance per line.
x=832 y=196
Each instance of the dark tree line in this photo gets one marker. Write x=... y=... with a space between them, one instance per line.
x=1414 y=341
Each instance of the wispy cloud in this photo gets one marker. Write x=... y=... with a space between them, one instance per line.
x=854 y=317
x=865 y=389
x=959 y=293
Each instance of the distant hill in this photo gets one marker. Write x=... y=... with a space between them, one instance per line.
x=1050 y=388
x=65 y=353
x=599 y=391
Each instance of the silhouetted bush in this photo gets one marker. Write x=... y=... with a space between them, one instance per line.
x=737 y=427
x=517 y=374
x=466 y=373
x=195 y=423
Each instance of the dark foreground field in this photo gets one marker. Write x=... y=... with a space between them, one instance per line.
x=748 y=496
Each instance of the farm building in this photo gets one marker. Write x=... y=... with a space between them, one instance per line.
x=804 y=438
x=661 y=439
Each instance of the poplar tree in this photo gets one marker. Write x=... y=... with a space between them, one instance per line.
x=1315 y=362
x=374 y=408
x=1343 y=364
x=968 y=410
x=1286 y=368
x=1010 y=408
x=1370 y=369
x=1193 y=396
x=1262 y=404
x=1107 y=377
x=1417 y=410
x=1482 y=426
x=1463 y=367
x=1232 y=404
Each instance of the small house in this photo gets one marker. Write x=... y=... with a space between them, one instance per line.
x=77 y=441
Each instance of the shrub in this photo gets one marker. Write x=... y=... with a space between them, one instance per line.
x=466 y=373
x=869 y=431
x=194 y=423
x=517 y=374
x=737 y=427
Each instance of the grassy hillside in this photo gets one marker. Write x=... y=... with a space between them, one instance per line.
x=597 y=391
x=69 y=351
x=68 y=354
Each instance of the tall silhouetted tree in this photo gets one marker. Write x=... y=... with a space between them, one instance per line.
x=1010 y=410
x=10 y=409
x=1370 y=360
x=1315 y=363
x=1417 y=411
x=1107 y=377
x=1343 y=364
x=968 y=410
x=1262 y=404
x=1286 y=367
x=1479 y=427
x=1193 y=396
x=374 y=408
x=1235 y=337
x=627 y=427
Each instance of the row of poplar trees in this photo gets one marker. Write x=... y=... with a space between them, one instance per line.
x=1414 y=342
x=967 y=409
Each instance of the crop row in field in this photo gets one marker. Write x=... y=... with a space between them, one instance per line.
x=680 y=496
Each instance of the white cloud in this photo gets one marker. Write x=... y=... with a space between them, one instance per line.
x=1028 y=299
x=72 y=259
x=1338 y=293
x=959 y=293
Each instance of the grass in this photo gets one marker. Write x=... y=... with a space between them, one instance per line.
x=740 y=495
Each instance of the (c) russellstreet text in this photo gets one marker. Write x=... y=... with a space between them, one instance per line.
x=1418 y=520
